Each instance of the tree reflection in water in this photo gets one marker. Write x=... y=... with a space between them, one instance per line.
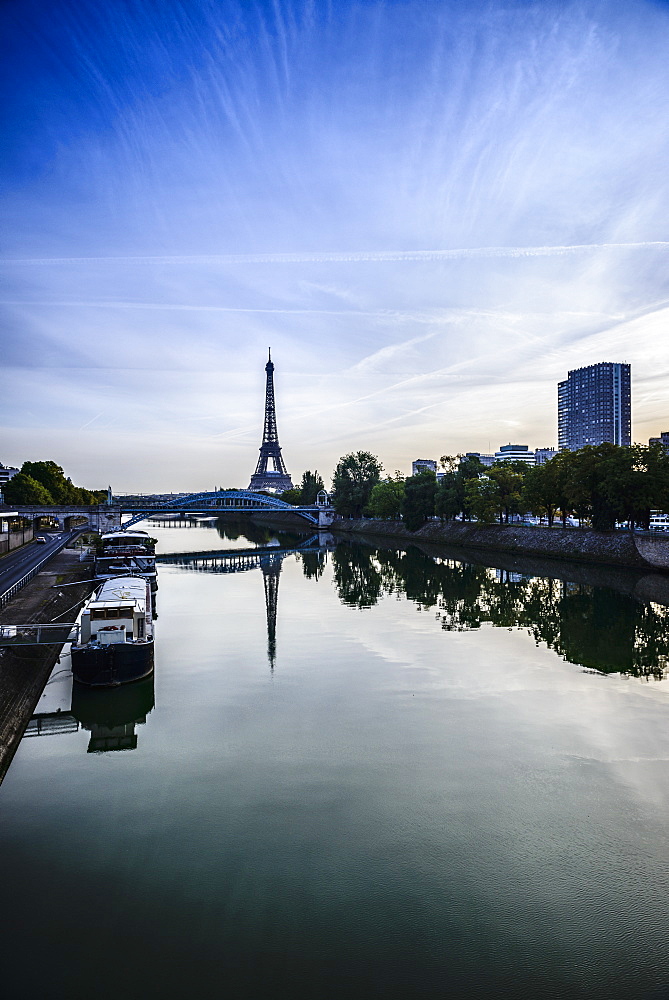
x=233 y=528
x=595 y=627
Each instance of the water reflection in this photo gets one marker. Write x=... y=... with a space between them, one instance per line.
x=596 y=627
x=258 y=534
x=111 y=714
x=271 y=571
x=271 y=548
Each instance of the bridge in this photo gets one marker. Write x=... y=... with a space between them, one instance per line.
x=239 y=560
x=228 y=501
x=99 y=517
x=109 y=517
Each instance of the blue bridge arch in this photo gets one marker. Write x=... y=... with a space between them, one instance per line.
x=232 y=501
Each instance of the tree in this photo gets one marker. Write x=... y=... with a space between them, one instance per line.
x=61 y=490
x=545 y=488
x=419 y=493
x=354 y=479
x=483 y=498
x=311 y=486
x=587 y=488
x=509 y=479
x=293 y=496
x=451 y=496
x=635 y=481
x=386 y=497
x=306 y=492
x=53 y=479
x=24 y=489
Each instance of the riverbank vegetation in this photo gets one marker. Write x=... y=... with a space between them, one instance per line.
x=45 y=483
x=600 y=485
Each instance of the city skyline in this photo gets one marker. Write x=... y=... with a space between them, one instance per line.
x=432 y=212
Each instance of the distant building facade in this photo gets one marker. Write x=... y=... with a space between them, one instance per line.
x=486 y=460
x=663 y=439
x=423 y=465
x=6 y=473
x=515 y=453
x=595 y=406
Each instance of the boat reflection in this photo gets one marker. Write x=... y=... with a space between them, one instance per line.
x=111 y=714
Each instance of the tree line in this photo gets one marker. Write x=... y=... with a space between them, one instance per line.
x=45 y=483
x=600 y=485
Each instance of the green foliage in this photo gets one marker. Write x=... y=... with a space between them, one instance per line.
x=354 y=479
x=311 y=486
x=509 y=479
x=451 y=497
x=306 y=492
x=587 y=472
x=24 y=489
x=293 y=496
x=60 y=490
x=602 y=484
x=419 y=495
x=386 y=497
x=483 y=499
x=448 y=500
x=543 y=489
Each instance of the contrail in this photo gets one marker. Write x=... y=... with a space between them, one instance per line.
x=345 y=257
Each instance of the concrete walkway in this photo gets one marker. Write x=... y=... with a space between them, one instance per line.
x=25 y=671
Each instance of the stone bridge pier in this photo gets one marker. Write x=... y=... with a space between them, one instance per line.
x=325 y=517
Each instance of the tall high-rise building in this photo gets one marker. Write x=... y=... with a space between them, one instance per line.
x=595 y=406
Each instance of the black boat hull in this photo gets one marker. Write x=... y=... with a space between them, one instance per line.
x=109 y=666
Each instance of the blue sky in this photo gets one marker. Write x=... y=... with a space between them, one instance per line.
x=430 y=211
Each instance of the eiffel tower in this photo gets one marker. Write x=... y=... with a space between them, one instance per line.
x=278 y=479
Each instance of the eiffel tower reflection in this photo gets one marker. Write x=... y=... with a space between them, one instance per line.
x=271 y=571
x=268 y=560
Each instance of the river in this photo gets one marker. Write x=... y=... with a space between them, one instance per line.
x=357 y=773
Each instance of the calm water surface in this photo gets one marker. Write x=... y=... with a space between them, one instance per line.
x=360 y=773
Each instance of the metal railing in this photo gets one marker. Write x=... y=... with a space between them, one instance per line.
x=38 y=634
x=12 y=591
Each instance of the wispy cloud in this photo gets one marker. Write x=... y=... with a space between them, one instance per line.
x=430 y=211
x=350 y=257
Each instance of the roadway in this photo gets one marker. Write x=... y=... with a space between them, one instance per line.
x=15 y=565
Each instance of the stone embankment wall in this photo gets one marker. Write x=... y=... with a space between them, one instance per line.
x=616 y=548
x=10 y=540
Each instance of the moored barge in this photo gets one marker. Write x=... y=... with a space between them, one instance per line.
x=116 y=634
x=126 y=553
